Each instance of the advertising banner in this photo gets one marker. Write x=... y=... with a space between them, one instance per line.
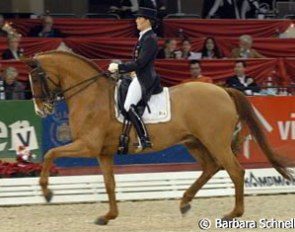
x=19 y=126
x=277 y=115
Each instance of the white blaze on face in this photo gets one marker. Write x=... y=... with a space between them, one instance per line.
x=37 y=110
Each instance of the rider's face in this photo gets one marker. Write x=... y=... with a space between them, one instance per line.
x=142 y=23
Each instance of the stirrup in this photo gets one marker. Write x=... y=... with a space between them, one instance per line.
x=143 y=144
x=122 y=150
x=146 y=143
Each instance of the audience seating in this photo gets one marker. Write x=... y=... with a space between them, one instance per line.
x=182 y=16
x=106 y=39
x=289 y=16
x=191 y=27
x=63 y=15
x=102 y=16
x=173 y=72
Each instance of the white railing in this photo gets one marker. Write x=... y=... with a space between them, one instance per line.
x=70 y=189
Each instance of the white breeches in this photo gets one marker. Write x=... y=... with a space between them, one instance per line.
x=134 y=94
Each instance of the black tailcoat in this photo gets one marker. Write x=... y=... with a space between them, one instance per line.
x=144 y=56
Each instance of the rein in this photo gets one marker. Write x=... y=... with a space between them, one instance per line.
x=55 y=96
x=88 y=82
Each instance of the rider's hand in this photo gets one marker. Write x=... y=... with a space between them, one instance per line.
x=250 y=81
x=113 y=67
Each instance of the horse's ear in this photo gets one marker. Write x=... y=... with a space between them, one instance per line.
x=31 y=62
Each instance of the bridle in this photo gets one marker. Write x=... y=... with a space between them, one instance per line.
x=52 y=97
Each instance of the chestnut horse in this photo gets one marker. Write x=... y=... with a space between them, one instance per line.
x=204 y=117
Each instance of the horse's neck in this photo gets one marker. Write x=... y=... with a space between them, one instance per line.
x=86 y=99
x=94 y=100
x=88 y=93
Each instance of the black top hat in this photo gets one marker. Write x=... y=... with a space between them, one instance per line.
x=147 y=13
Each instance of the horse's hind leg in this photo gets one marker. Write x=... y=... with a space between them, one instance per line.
x=209 y=166
x=230 y=163
x=75 y=149
x=106 y=165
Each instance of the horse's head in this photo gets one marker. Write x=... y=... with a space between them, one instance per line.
x=44 y=85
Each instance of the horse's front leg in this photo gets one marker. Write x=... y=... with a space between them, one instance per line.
x=75 y=149
x=106 y=165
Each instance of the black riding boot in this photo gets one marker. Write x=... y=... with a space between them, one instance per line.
x=139 y=127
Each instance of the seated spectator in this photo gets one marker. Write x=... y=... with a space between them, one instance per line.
x=46 y=29
x=224 y=9
x=245 y=49
x=3 y=32
x=6 y=28
x=13 y=52
x=210 y=49
x=242 y=82
x=196 y=73
x=161 y=7
x=2 y=93
x=269 y=87
x=186 y=52
x=124 y=8
x=169 y=50
x=14 y=90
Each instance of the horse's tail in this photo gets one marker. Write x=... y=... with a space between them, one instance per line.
x=247 y=114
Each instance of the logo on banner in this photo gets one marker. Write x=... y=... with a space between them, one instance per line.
x=286 y=131
x=287 y=128
x=21 y=134
x=60 y=132
x=267 y=181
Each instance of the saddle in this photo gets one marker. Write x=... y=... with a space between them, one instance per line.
x=156 y=110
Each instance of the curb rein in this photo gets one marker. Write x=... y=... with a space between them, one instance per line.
x=52 y=97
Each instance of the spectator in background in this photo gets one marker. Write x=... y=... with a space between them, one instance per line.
x=124 y=8
x=210 y=49
x=224 y=9
x=186 y=52
x=245 y=49
x=196 y=73
x=46 y=29
x=2 y=93
x=161 y=7
x=169 y=50
x=3 y=33
x=242 y=82
x=13 y=52
x=14 y=90
x=255 y=8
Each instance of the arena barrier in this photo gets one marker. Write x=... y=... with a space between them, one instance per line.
x=169 y=185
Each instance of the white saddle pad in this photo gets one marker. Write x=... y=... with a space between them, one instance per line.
x=159 y=105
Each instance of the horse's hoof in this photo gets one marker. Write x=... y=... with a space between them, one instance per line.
x=101 y=221
x=227 y=219
x=48 y=196
x=185 y=209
